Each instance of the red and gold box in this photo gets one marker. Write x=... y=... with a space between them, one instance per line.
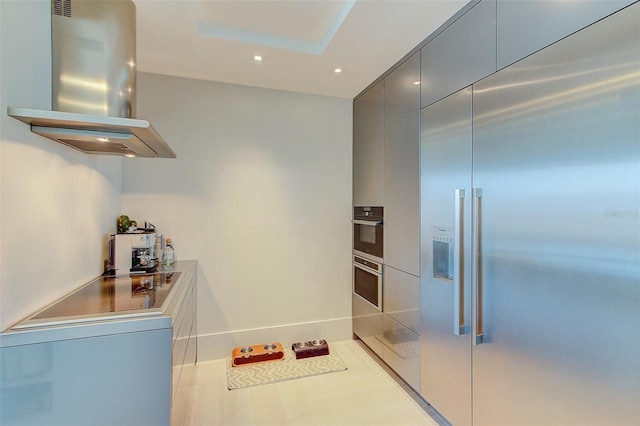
x=258 y=353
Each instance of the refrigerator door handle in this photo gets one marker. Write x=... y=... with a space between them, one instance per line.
x=478 y=333
x=459 y=327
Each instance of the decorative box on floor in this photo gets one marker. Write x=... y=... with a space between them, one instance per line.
x=311 y=348
x=258 y=353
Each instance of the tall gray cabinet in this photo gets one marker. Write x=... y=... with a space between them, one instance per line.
x=386 y=172
x=402 y=167
x=368 y=146
x=401 y=286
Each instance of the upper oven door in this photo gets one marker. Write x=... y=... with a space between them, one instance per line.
x=368 y=232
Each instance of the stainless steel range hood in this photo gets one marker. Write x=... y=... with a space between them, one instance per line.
x=96 y=134
x=93 y=105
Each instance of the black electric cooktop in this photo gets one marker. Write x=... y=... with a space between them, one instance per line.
x=114 y=294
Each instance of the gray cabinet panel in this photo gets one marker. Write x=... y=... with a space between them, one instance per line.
x=183 y=375
x=402 y=297
x=118 y=379
x=529 y=25
x=402 y=167
x=368 y=142
x=462 y=54
x=182 y=337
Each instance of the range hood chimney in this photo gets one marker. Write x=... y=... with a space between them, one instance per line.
x=93 y=106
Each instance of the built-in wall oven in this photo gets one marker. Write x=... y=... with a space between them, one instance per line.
x=367 y=281
x=368 y=232
x=367 y=300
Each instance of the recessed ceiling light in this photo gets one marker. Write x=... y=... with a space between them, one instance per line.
x=257 y=58
x=338 y=70
x=130 y=156
x=417 y=83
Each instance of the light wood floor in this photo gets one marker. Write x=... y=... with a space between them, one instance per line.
x=365 y=394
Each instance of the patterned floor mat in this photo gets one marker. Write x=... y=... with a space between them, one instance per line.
x=289 y=368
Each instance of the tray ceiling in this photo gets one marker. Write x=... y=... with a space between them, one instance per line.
x=300 y=42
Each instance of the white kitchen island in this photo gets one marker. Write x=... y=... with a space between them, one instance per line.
x=109 y=353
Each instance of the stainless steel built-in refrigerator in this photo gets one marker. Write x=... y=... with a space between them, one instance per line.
x=530 y=237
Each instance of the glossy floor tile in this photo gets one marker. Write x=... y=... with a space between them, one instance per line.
x=365 y=394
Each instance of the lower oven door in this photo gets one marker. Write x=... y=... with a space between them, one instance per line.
x=367 y=281
x=368 y=319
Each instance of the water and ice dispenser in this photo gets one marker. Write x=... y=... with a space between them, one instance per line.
x=442 y=253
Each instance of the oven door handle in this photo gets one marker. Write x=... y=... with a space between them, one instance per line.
x=367 y=269
x=367 y=222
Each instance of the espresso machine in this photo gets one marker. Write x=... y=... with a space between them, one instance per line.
x=132 y=253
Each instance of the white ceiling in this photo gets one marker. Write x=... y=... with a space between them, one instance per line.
x=301 y=41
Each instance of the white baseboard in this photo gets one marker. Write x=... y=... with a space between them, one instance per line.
x=220 y=345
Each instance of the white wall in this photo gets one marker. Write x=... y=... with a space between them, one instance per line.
x=57 y=205
x=260 y=194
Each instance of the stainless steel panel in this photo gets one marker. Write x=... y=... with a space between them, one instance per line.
x=402 y=167
x=368 y=146
x=401 y=351
x=367 y=323
x=445 y=156
x=402 y=297
x=463 y=53
x=556 y=151
x=526 y=26
x=93 y=61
